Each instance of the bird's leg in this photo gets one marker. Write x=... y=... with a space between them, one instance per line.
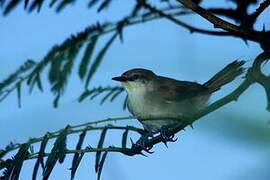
x=141 y=142
x=143 y=138
x=165 y=138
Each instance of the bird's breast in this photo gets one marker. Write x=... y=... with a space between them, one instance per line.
x=138 y=104
x=148 y=105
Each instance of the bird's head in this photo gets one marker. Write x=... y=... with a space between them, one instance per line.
x=136 y=79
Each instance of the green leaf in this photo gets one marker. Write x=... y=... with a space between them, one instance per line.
x=17 y=74
x=120 y=28
x=96 y=93
x=2 y=153
x=36 y=4
x=56 y=100
x=101 y=165
x=50 y=163
x=107 y=96
x=11 y=5
x=112 y=92
x=62 y=81
x=39 y=84
x=52 y=3
x=84 y=95
x=18 y=161
x=75 y=167
x=62 y=146
x=35 y=171
x=63 y=4
x=57 y=153
x=125 y=103
x=124 y=138
x=32 y=75
x=61 y=67
x=35 y=80
x=100 y=144
x=77 y=157
x=92 y=3
x=98 y=59
x=18 y=88
x=26 y=3
x=81 y=139
x=117 y=93
x=55 y=69
x=136 y=9
x=39 y=160
x=104 y=5
x=87 y=56
x=4 y=164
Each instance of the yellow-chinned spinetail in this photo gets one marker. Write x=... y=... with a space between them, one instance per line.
x=164 y=100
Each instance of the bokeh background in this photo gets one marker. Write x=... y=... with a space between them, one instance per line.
x=229 y=144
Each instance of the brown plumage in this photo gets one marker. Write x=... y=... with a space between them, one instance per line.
x=152 y=96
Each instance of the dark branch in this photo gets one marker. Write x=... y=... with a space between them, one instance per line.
x=181 y=23
x=260 y=77
x=253 y=17
x=56 y=57
x=253 y=75
x=241 y=32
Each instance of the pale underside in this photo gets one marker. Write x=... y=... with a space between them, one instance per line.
x=150 y=104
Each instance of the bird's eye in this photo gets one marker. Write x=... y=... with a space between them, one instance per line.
x=135 y=76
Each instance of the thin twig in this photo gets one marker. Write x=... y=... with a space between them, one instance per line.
x=181 y=23
x=260 y=10
x=253 y=75
x=219 y=23
x=107 y=149
x=233 y=96
x=104 y=120
x=86 y=126
x=134 y=150
x=112 y=27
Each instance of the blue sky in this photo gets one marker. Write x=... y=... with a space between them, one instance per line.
x=232 y=143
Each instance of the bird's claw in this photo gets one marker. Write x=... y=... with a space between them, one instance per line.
x=140 y=144
x=165 y=138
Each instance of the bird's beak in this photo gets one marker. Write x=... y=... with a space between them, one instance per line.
x=120 y=78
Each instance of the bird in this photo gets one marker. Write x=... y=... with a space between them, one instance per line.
x=160 y=102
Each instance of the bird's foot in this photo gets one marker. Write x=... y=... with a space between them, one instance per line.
x=141 y=143
x=165 y=137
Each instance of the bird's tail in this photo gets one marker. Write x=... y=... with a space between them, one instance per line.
x=226 y=75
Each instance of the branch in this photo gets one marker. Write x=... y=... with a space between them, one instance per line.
x=251 y=77
x=58 y=55
x=188 y=121
x=63 y=55
x=112 y=93
x=87 y=150
x=239 y=14
x=219 y=23
x=254 y=75
x=59 y=150
x=134 y=150
x=59 y=5
x=181 y=23
x=89 y=126
x=253 y=17
x=14 y=79
x=230 y=13
x=261 y=78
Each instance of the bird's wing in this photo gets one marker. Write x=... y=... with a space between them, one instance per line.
x=174 y=90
